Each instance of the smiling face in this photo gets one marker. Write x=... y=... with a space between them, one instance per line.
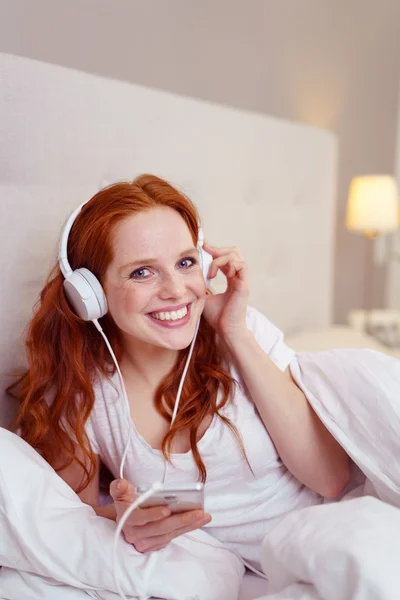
x=154 y=285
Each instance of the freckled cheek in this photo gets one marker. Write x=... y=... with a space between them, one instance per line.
x=132 y=301
x=199 y=286
x=202 y=293
x=201 y=297
x=123 y=301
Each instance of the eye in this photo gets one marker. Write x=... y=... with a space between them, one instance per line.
x=141 y=273
x=187 y=262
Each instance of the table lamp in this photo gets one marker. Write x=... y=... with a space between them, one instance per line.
x=372 y=210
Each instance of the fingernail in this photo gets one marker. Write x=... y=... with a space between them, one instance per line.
x=118 y=485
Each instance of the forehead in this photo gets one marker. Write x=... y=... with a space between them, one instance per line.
x=150 y=233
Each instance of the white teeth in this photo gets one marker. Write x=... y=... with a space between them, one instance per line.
x=174 y=315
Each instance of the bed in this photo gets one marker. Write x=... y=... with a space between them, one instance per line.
x=263 y=184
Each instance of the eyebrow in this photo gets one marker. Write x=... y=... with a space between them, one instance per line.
x=148 y=261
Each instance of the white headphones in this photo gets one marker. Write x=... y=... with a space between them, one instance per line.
x=83 y=289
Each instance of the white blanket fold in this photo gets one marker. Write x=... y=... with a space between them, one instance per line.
x=347 y=550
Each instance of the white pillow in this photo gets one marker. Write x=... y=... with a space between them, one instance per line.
x=46 y=530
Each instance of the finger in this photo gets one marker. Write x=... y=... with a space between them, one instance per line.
x=220 y=251
x=171 y=524
x=123 y=494
x=145 y=516
x=219 y=262
x=217 y=252
x=228 y=264
x=235 y=271
x=201 y=523
x=122 y=490
x=151 y=543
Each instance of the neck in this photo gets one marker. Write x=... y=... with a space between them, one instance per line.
x=147 y=363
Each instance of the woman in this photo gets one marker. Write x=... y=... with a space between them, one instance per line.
x=243 y=426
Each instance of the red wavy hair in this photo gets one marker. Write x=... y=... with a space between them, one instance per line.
x=65 y=355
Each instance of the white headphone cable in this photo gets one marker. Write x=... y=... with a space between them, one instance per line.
x=156 y=486
x=178 y=396
x=124 y=394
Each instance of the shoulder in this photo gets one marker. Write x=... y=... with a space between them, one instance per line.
x=255 y=319
x=262 y=328
x=106 y=391
x=104 y=384
x=269 y=337
x=104 y=416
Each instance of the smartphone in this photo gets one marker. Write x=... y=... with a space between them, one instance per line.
x=178 y=497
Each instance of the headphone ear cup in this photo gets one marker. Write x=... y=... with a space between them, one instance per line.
x=85 y=295
x=205 y=261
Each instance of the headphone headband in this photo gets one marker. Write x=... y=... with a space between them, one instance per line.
x=65 y=267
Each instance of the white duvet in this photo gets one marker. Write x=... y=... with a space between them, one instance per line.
x=348 y=550
x=56 y=548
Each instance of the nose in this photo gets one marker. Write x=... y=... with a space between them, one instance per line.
x=173 y=286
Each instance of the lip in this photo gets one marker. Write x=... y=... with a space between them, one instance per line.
x=170 y=308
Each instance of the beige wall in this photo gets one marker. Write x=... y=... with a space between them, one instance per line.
x=393 y=247
x=333 y=64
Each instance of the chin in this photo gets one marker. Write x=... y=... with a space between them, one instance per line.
x=179 y=343
x=179 y=340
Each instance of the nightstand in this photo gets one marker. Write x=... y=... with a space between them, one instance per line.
x=381 y=324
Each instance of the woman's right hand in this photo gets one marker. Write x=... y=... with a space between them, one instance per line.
x=150 y=529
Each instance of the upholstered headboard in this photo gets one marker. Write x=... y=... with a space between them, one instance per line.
x=261 y=183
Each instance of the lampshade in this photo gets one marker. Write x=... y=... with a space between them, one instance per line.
x=373 y=206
